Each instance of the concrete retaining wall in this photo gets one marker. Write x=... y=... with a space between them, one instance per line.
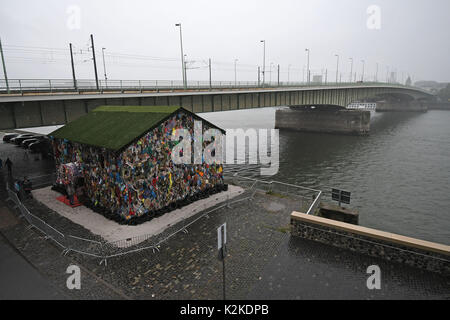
x=337 y=121
x=389 y=246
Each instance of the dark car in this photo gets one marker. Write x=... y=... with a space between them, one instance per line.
x=18 y=140
x=42 y=146
x=9 y=136
x=27 y=142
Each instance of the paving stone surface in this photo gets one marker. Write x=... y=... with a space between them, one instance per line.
x=263 y=261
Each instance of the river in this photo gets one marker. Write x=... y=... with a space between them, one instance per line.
x=399 y=175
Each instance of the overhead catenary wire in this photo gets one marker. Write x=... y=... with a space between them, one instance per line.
x=44 y=55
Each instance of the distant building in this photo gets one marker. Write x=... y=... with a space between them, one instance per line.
x=122 y=158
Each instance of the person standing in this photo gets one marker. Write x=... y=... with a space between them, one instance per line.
x=70 y=193
x=9 y=164
x=1 y=163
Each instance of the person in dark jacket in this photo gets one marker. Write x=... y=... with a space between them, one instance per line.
x=9 y=164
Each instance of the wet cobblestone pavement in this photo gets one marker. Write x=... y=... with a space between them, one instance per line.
x=263 y=260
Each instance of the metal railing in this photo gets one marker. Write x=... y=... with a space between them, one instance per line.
x=105 y=250
x=309 y=198
x=36 y=222
x=22 y=86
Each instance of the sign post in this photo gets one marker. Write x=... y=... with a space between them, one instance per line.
x=221 y=241
x=340 y=196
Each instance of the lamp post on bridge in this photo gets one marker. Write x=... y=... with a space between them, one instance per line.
x=376 y=73
x=235 y=77
x=4 y=67
x=73 y=67
x=183 y=72
x=264 y=62
x=307 y=65
x=104 y=67
x=289 y=66
x=278 y=81
x=270 y=72
x=351 y=69
x=337 y=67
x=259 y=74
x=362 y=75
x=95 y=61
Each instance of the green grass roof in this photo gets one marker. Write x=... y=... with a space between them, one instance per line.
x=114 y=127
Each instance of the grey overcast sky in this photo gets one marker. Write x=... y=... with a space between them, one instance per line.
x=142 y=42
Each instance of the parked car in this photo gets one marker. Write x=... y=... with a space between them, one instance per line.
x=18 y=140
x=27 y=142
x=42 y=146
x=9 y=136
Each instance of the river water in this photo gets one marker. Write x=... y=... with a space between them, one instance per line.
x=399 y=175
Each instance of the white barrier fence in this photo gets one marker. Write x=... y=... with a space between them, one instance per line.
x=106 y=250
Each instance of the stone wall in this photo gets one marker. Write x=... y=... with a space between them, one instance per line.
x=392 y=247
x=337 y=213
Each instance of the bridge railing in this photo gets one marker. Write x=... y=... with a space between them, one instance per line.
x=21 y=86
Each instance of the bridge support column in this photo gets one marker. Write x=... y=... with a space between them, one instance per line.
x=353 y=122
x=404 y=106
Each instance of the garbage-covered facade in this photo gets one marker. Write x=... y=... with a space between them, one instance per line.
x=138 y=181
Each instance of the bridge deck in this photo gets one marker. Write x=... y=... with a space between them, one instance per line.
x=33 y=110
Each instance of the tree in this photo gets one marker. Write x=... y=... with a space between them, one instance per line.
x=444 y=93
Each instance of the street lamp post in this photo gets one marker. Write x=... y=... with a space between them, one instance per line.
x=104 y=66
x=264 y=62
x=183 y=72
x=376 y=73
x=95 y=61
x=185 y=69
x=337 y=67
x=270 y=73
x=351 y=69
x=307 y=66
x=362 y=75
x=235 y=77
x=289 y=66
x=4 y=67
x=72 y=64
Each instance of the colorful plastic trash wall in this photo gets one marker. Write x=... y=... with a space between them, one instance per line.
x=141 y=181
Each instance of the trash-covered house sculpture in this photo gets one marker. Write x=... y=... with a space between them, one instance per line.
x=121 y=156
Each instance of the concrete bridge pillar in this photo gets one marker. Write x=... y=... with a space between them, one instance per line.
x=404 y=106
x=329 y=120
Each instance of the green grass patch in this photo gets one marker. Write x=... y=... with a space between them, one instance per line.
x=113 y=127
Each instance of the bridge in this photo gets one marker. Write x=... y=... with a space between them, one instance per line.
x=61 y=102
